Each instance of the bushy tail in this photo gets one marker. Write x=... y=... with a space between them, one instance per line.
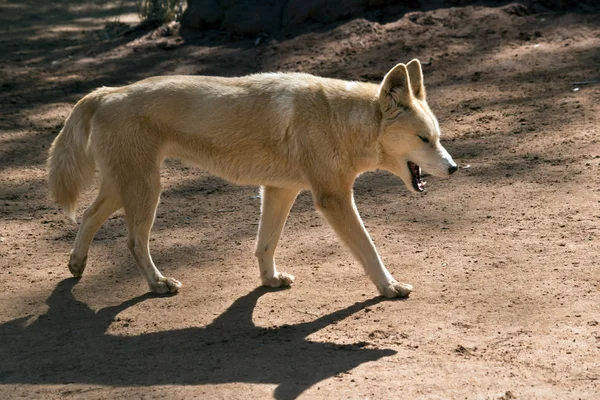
x=70 y=163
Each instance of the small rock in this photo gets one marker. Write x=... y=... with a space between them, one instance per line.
x=460 y=349
x=524 y=36
x=507 y=396
x=517 y=9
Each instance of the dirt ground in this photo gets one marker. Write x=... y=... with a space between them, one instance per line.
x=503 y=256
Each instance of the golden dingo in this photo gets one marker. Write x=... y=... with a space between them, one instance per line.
x=283 y=131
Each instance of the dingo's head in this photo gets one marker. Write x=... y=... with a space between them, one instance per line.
x=410 y=136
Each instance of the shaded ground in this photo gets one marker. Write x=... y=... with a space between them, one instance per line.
x=503 y=256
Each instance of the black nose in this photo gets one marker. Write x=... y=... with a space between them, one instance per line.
x=452 y=169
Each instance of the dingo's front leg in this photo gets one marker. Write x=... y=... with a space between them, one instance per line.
x=275 y=207
x=340 y=212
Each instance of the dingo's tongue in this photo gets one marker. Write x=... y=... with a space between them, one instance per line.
x=415 y=172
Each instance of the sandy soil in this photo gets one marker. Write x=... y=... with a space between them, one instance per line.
x=503 y=256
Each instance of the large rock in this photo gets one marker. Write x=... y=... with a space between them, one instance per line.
x=203 y=14
x=251 y=17
x=299 y=11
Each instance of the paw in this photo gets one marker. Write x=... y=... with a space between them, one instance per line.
x=77 y=266
x=166 y=285
x=396 y=289
x=280 y=279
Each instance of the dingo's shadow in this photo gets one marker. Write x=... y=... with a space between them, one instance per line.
x=69 y=344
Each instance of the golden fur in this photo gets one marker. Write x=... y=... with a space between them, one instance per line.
x=283 y=131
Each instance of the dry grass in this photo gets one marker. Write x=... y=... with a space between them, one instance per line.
x=159 y=11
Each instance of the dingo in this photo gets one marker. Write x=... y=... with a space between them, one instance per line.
x=283 y=131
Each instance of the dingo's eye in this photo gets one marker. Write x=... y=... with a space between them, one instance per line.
x=424 y=139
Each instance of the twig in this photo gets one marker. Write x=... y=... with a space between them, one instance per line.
x=306 y=312
x=586 y=82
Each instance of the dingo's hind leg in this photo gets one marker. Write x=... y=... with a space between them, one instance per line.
x=275 y=207
x=140 y=199
x=106 y=203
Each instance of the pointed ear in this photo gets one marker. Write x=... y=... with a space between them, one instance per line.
x=395 y=88
x=416 y=78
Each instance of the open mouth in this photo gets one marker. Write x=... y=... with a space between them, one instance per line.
x=415 y=172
